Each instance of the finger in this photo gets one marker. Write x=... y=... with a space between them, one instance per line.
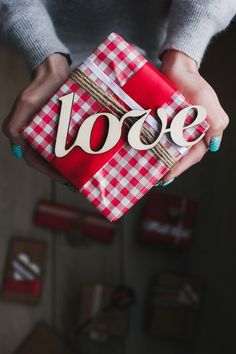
x=28 y=103
x=217 y=118
x=214 y=134
x=16 y=141
x=194 y=156
x=25 y=106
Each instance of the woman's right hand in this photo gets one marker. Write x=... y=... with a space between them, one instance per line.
x=47 y=78
x=182 y=71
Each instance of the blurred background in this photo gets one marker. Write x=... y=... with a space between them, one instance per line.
x=179 y=294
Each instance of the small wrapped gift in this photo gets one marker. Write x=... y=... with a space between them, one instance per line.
x=104 y=311
x=168 y=220
x=24 y=272
x=114 y=78
x=61 y=217
x=174 y=307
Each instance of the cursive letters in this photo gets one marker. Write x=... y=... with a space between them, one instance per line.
x=83 y=137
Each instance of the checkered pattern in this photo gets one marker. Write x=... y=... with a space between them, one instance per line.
x=176 y=103
x=41 y=132
x=125 y=179
x=117 y=58
x=129 y=174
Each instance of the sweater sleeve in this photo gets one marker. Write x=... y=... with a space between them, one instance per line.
x=26 y=26
x=192 y=24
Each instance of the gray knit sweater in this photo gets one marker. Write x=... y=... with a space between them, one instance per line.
x=39 y=28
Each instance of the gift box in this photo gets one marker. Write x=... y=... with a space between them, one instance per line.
x=174 y=306
x=60 y=217
x=168 y=220
x=99 y=317
x=44 y=340
x=114 y=78
x=24 y=271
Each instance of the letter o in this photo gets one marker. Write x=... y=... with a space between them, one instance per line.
x=85 y=131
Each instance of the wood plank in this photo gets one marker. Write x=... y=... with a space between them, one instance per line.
x=20 y=187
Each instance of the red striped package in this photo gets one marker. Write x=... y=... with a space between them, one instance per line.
x=168 y=220
x=56 y=216
x=115 y=180
x=24 y=271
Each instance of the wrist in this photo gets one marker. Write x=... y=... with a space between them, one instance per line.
x=56 y=64
x=176 y=60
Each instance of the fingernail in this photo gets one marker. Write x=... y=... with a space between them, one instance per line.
x=158 y=184
x=70 y=187
x=165 y=184
x=215 y=144
x=17 y=151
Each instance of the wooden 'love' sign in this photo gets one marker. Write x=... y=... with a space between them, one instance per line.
x=83 y=137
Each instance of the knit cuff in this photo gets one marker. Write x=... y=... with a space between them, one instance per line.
x=190 y=30
x=34 y=43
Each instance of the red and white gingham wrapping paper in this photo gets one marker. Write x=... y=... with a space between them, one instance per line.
x=129 y=174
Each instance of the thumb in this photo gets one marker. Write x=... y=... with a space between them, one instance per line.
x=25 y=106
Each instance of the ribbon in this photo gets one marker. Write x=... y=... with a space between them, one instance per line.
x=162 y=228
x=118 y=91
x=148 y=87
x=62 y=216
x=184 y=295
x=108 y=101
x=130 y=102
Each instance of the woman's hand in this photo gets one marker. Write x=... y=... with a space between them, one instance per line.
x=182 y=71
x=46 y=79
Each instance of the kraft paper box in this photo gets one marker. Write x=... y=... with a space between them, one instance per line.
x=95 y=318
x=43 y=340
x=117 y=179
x=24 y=270
x=168 y=220
x=174 y=306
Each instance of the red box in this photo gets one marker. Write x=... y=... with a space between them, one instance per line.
x=115 y=180
x=168 y=220
x=61 y=217
x=174 y=306
x=24 y=271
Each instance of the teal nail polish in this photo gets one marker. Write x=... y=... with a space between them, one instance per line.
x=215 y=144
x=168 y=182
x=70 y=187
x=17 y=151
x=158 y=184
